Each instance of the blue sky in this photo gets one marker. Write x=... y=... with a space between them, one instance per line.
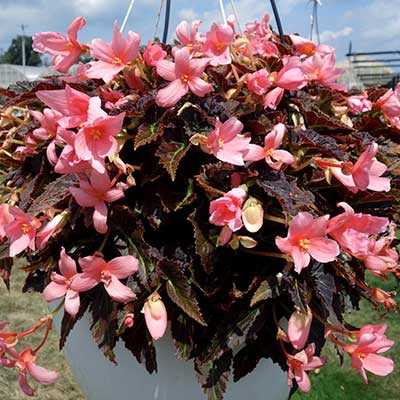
x=369 y=24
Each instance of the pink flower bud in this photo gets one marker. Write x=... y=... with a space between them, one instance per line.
x=299 y=328
x=129 y=320
x=155 y=315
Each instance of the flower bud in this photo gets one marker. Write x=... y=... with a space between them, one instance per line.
x=253 y=215
x=155 y=315
x=299 y=328
x=129 y=320
x=247 y=242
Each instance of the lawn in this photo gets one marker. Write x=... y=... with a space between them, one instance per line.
x=332 y=382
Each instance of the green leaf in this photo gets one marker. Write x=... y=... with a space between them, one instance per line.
x=171 y=154
x=180 y=291
x=263 y=292
x=148 y=133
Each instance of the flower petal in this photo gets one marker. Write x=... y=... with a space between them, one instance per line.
x=122 y=267
x=119 y=292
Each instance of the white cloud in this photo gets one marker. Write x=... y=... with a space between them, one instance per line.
x=188 y=14
x=330 y=36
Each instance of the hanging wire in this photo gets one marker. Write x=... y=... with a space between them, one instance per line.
x=278 y=20
x=222 y=7
x=236 y=15
x=166 y=21
x=158 y=19
x=314 y=20
x=317 y=2
x=128 y=13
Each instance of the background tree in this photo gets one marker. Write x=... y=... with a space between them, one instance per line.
x=14 y=53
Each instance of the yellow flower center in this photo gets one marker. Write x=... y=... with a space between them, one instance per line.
x=185 y=78
x=26 y=228
x=220 y=46
x=117 y=61
x=220 y=143
x=95 y=134
x=304 y=244
x=70 y=46
x=268 y=152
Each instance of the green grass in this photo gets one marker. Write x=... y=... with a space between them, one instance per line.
x=333 y=381
x=344 y=383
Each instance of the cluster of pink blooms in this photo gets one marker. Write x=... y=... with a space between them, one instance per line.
x=84 y=139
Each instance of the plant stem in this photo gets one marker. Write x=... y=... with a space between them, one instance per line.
x=275 y=219
x=266 y=254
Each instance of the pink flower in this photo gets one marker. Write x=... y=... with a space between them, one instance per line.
x=359 y=104
x=389 y=103
x=60 y=285
x=96 y=269
x=306 y=237
x=95 y=140
x=352 y=230
x=264 y=47
x=5 y=218
x=259 y=29
x=65 y=49
x=321 y=68
x=132 y=78
x=189 y=38
x=258 y=82
x=364 y=174
x=218 y=40
x=227 y=212
x=273 y=98
x=43 y=236
x=155 y=315
x=21 y=231
x=113 y=57
x=226 y=143
x=48 y=123
x=68 y=162
x=7 y=340
x=307 y=48
x=153 y=54
x=79 y=74
x=299 y=328
x=95 y=193
x=371 y=341
x=300 y=364
x=274 y=158
x=71 y=103
x=26 y=365
x=184 y=74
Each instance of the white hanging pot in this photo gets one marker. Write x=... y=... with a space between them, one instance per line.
x=100 y=379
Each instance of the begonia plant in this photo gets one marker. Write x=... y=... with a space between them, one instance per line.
x=226 y=188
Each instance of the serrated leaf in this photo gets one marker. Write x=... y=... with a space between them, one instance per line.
x=171 y=154
x=180 y=291
x=53 y=194
x=263 y=292
x=148 y=133
x=324 y=284
x=245 y=361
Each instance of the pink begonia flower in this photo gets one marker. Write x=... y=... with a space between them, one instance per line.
x=227 y=212
x=5 y=218
x=95 y=270
x=259 y=29
x=307 y=48
x=65 y=49
x=359 y=104
x=258 y=82
x=352 y=230
x=155 y=315
x=184 y=74
x=60 y=285
x=95 y=192
x=264 y=47
x=299 y=328
x=153 y=54
x=274 y=157
x=189 y=38
x=21 y=231
x=226 y=143
x=385 y=298
x=306 y=237
x=43 y=236
x=364 y=174
x=113 y=57
x=132 y=78
x=290 y=77
x=71 y=103
x=321 y=68
x=389 y=103
x=300 y=364
x=95 y=140
x=26 y=366
x=69 y=162
x=371 y=341
x=48 y=123
x=216 y=46
x=7 y=340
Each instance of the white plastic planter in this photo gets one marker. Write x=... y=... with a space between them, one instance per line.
x=99 y=379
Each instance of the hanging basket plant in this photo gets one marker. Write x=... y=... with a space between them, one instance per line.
x=227 y=185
